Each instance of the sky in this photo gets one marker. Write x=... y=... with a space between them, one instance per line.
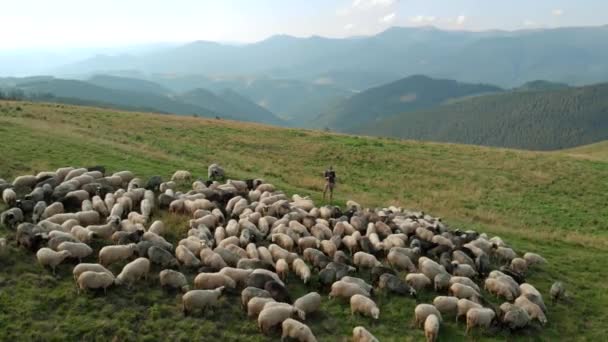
x=37 y=24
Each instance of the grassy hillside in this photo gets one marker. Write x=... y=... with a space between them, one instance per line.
x=550 y=203
x=537 y=120
x=405 y=95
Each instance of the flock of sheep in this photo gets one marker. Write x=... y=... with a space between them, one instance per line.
x=248 y=236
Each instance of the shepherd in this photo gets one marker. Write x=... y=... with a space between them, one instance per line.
x=330 y=183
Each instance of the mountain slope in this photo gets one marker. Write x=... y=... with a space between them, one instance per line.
x=544 y=202
x=229 y=104
x=134 y=85
x=538 y=120
x=408 y=94
x=74 y=89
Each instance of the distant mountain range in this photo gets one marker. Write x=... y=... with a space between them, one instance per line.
x=408 y=94
x=537 y=119
x=568 y=55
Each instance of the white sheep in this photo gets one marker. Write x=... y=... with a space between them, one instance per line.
x=479 y=317
x=519 y=265
x=309 y=303
x=26 y=181
x=464 y=281
x=464 y=291
x=186 y=257
x=400 y=261
x=200 y=299
x=364 y=305
x=297 y=331
x=94 y=280
x=282 y=268
x=256 y=305
x=464 y=305
x=463 y=270
x=77 y=250
x=9 y=197
x=446 y=304
x=134 y=271
x=532 y=309
x=272 y=316
x=431 y=328
x=181 y=176
x=360 y=334
x=52 y=210
x=301 y=269
x=418 y=281
x=557 y=291
x=173 y=279
x=208 y=281
x=157 y=227
x=346 y=290
x=365 y=260
x=422 y=311
x=111 y=254
x=48 y=257
x=83 y=267
x=534 y=259
x=499 y=288
x=358 y=281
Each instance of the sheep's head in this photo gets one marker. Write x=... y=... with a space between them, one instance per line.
x=299 y=313
x=375 y=313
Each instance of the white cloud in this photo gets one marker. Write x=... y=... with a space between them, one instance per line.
x=423 y=19
x=388 y=18
x=349 y=26
x=557 y=12
x=366 y=4
x=461 y=19
x=530 y=23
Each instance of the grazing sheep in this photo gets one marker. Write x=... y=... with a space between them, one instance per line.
x=272 y=316
x=464 y=281
x=365 y=260
x=52 y=210
x=463 y=270
x=161 y=256
x=531 y=308
x=186 y=257
x=77 y=249
x=48 y=257
x=429 y=267
x=499 y=288
x=364 y=305
x=9 y=197
x=215 y=172
x=557 y=291
x=12 y=217
x=277 y=291
x=418 y=281
x=297 y=331
x=422 y=311
x=519 y=265
x=358 y=281
x=83 y=267
x=105 y=231
x=441 y=282
x=157 y=227
x=250 y=292
x=94 y=280
x=200 y=299
x=256 y=305
x=181 y=176
x=513 y=316
x=111 y=254
x=394 y=284
x=301 y=269
x=464 y=291
x=308 y=303
x=360 y=334
x=282 y=269
x=38 y=211
x=27 y=181
x=431 y=328
x=464 y=305
x=207 y=281
x=134 y=271
x=533 y=294
x=479 y=317
x=346 y=290
x=446 y=305
x=400 y=260
x=534 y=259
